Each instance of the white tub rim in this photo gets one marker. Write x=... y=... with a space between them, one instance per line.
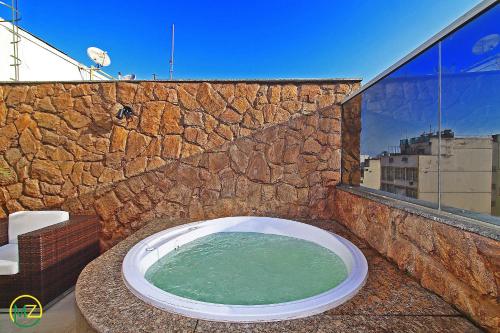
x=133 y=277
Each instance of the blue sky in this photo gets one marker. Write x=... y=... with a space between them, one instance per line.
x=243 y=39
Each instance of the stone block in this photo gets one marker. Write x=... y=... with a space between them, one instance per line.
x=289 y=93
x=136 y=144
x=118 y=140
x=210 y=100
x=46 y=171
x=150 y=117
x=186 y=100
x=171 y=146
x=171 y=120
x=75 y=119
x=258 y=170
x=107 y=205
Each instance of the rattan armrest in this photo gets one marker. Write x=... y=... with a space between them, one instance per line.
x=46 y=247
x=4 y=231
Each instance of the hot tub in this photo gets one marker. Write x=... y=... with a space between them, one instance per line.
x=150 y=252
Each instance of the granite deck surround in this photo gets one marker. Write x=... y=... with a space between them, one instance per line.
x=390 y=300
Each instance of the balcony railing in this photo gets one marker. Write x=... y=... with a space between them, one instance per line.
x=440 y=105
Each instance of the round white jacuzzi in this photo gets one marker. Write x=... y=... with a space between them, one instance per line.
x=245 y=269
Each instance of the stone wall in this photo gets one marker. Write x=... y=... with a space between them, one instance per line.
x=213 y=149
x=62 y=146
x=460 y=266
x=351 y=137
x=284 y=170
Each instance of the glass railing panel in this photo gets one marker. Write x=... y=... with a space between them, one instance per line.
x=470 y=173
x=399 y=124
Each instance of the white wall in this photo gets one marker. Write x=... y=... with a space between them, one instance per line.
x=39 y=61
x=371 y=175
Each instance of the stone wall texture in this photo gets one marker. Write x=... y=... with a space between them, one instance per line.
x=61 y=146
x=201 y=150
x=351 y=138
x=460 y=266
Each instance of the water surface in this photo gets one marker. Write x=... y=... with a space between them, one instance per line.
x=247 y=268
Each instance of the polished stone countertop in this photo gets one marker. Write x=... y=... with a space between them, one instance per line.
x=390 y=300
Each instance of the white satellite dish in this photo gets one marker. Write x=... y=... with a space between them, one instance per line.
x=126 y=77
x=100 y=57
x=486 y=44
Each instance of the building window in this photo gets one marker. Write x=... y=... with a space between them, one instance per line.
x=390 y=174
x=412 y=193
x=398 y=173
x=411 y=174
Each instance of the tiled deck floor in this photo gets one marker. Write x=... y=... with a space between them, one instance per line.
x=390 y=301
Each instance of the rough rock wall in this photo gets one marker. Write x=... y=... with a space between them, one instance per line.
x=460 y=266
x=284 y=170
x=351 y=138
x=61 y=141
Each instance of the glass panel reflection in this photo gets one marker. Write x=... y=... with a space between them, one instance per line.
x=470 y=174
x=399 y=122
x=399 y=150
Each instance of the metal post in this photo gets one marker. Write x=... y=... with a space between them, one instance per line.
x=15 y=37
x=172 y=54
x=439 y=124
x=15 y=40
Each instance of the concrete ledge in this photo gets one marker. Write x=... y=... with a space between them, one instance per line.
x=484 y=225
x=259 y=80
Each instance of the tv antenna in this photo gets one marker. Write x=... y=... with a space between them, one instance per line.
x=172 y=54
x=99 y=57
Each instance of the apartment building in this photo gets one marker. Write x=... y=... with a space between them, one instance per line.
x=467 y=180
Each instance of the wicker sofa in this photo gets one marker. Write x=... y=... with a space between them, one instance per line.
x=49 y=259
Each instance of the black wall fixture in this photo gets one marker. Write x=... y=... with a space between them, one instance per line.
x=126 y=112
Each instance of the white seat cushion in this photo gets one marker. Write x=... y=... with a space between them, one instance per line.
x=9 y=259
x=24 y=222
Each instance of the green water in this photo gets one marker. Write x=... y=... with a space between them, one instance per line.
x=247 y=268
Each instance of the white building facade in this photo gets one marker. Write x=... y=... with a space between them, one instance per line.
x=39 y=61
